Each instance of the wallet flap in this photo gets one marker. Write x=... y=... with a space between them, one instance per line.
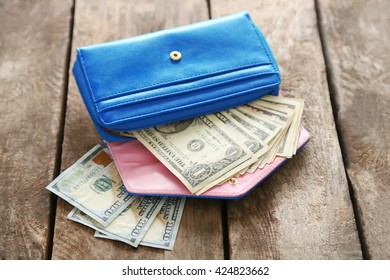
x=140 y=63
x=134 y=83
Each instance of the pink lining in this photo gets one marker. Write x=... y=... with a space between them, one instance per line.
x=143 y=174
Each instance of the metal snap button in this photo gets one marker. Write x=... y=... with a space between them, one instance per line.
x=175 y=55
x=233 y=181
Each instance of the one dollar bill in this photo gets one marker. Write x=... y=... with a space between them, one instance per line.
x=197 y=151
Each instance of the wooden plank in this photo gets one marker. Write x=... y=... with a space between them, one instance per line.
x=303 y=211
x=357 y=48
x=34 y=38
x=100 y=21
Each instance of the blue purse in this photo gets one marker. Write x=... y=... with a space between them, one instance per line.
x=174 y=74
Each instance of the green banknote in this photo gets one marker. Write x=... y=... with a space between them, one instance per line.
x=131 y=225
x=94 y=186
x=163 y=231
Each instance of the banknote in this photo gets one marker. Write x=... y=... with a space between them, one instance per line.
x=197 y=151
x=283 y=117
x=163 y=231
x=257 y=146
x=265 y=129
x=94 y=186
x=255 y=126
x=131 y=225
x=99 y=234
x=286 y=145
x=295 y=104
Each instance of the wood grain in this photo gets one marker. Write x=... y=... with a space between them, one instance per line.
x=34 y=39
x=200 y=234
x=303 y=211
x=357 y=44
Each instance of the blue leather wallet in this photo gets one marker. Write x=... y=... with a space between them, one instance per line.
x=175 y=74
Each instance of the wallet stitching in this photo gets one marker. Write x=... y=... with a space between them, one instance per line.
x=164 y=110
x=195 y=88
x=183 y=79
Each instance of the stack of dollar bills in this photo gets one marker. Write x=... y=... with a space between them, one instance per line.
x=94 y=187
x=210 y=150
x=202 y=152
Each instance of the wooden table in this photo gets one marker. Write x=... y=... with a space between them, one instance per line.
x=331 y=201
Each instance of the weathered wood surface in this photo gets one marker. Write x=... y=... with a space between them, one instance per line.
x=303 y=211
x=33 y=52
x=356 y=36
x=200 y=233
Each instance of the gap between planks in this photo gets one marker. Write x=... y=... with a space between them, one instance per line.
x=335 y=109
x=60 y=137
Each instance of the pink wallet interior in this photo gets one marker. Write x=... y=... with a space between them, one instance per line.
x=143 y=174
